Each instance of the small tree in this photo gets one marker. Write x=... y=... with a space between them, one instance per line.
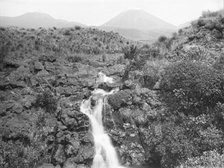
x=162 y=39
x=130 y=53
x=47 y=101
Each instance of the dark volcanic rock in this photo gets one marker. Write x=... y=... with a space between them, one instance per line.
x=41 y=90
x=60 y=155
x=48 y=58
x=61 y=135
x=85 y=154
x=120 y=98
x=38 y=66
x=127 y=120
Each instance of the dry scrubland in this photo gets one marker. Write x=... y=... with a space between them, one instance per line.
x=168 y=113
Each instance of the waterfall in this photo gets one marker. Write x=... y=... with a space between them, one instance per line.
x=105 y=153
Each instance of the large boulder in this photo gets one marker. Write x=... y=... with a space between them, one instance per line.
x=120 y=99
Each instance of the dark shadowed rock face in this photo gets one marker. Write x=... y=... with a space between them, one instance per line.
x=120 y=98
x=40 y=101
x=40 y=121
x=126 y=118
x=40 y=117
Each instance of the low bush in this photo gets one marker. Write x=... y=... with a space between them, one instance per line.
x=193 y=86
x=67 y=33
x=130 y=52
x=167 y=144
x=74 y=59
x=47 y=101
x=209 y=159
x=17 y=155
x=78 y=28
x=162 y=39
x=152 y=53
x=218 y=116
x=219 y=64
x=151 y=72
x=28 y=145
x=209 y=14
x=175 y=145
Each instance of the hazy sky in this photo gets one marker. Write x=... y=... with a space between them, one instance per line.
x=96 y=12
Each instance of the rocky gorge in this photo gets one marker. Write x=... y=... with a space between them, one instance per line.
x=168 y=107
x=39 y=106
x=40 y=111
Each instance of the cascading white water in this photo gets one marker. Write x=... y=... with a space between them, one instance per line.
x=105 y=153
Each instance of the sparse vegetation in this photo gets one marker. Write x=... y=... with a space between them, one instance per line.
x=131 y=54
x=211 y=159
x=74 y=59
x=171 y=96
x=192 y=85
x=206 y=14
x=47 y=101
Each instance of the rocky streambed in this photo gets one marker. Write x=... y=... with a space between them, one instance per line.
x=41 y=123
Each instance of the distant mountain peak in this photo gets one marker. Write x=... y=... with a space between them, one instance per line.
x=37 y=15
x=134 y=11
x=138 y=19
x=137 y=24
x=35 y=20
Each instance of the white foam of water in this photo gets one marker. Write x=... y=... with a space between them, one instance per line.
x=105 y=153
x=102 y=78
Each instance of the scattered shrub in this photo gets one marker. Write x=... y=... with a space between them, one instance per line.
x=151 y=73
x=67 y=33
x=195 y=53
x=168 y=144
x=29 y=146
x=209 y=14
x=218 y=116
x=200 y=22
x=162 y=39
x=180 y=31
x=77 y=28
x=219 y=64
x=2 y=29
x=210 y=138
x=16 y=155
x=152 y=53
x=175 y=146
x=74 y=59
x=192 y=85
x=150 y=77
x=47 y=101
x=209 y=159
x=130 y=52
